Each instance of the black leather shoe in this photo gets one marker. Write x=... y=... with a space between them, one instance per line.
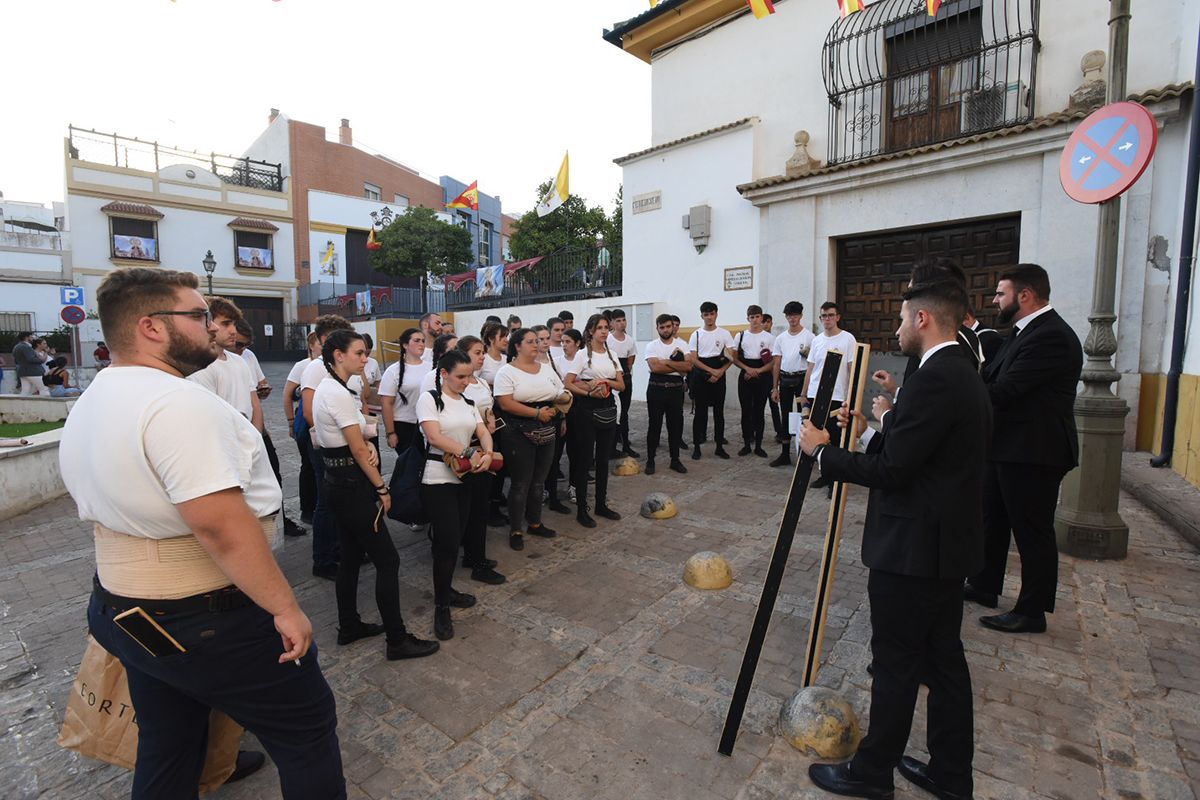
x=917 y=773
x=678 y=466
x=1012 y=622
x=326 y=571
x=487 y=575
x=558 y=506
x=629 y=451
x=584 y=518
x=461 y=599
x=248 y=762
x=696 y=453
x=290 y=528
x=720 y=452
x=516 y=541
x=821 y=483
x=783 y=438
x=836 y=778
x=363 y=631
x=443 y=625
x=607 y=513
x=483 y=563
x=543 y=531
x=758 y=451
x=745 y=451
x=410 y=647
x=649 y=470
x=981 y=597
x=722 y=440
x=783 y=461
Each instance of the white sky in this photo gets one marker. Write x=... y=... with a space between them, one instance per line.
x=494 y=90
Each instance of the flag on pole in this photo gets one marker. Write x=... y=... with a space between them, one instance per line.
x=468 y=199
x=559 y=191
x=761 y=8
x=932 y=7
x=849 y=7
x=372 y=242
x=328 y=266
x=653 y=3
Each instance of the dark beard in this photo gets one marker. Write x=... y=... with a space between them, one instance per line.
x=187 y=357
x=1007 y=313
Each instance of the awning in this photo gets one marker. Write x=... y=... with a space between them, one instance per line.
x=246 y=223
x=456 y=281
x=121 y=208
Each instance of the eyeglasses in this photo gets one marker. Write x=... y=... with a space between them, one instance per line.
x=828 y=316
x=204 y=316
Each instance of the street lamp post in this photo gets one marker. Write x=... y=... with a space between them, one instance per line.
x=210 y=266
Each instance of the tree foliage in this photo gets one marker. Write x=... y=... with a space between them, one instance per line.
x=612 y=226
x=418 y=243
x=571 y=226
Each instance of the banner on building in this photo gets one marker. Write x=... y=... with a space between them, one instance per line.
x=362 y=304
x=489 y=281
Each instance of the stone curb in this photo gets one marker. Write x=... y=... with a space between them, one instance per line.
x=1165 y=492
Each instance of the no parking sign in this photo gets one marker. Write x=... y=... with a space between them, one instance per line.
x=1108 y=152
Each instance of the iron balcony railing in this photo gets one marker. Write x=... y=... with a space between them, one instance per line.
x=121 y=151
x=898 y=79
x=385 y=301
x=566 y=275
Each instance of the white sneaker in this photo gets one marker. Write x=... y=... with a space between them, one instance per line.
x=571 y=494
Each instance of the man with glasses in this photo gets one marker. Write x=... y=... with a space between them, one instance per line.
x=178 y=486
x=831 y=337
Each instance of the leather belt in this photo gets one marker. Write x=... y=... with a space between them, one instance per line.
x=229 y=598
x=335 y=463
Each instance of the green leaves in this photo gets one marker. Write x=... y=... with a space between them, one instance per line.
x=418 y=243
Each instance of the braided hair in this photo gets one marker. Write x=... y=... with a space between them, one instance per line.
x=590 y=329
x=449 y=360
x=514 y=339
x=338 y=341
x=403 y=341
x=490 y=332
x=441 y=344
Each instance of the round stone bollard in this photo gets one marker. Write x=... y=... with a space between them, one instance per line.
x=819 y=720
x=707 y=570
x=624 y=467
x=658 y=505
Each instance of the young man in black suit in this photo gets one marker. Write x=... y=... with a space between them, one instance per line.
x=1032 y=384
x=923 y=535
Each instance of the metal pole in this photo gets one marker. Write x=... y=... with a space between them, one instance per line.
x=1087 y=523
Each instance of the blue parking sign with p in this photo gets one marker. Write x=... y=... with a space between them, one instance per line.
x=71 y=295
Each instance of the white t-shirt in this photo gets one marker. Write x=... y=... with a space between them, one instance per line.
x=333 y=409
x=563 y=365
x=229 y=379
x=457 y=420
x=478 y=392
x=255 y=368
x=822 y=344
x=526 y=388
x=602 y=367
x=427 y=354
x=792 y=350
x=489 y=369
x=622 y=349
x=140 y=440
x=708 y=344
x=373 y=373
x=556 y=352
x=297 y=371
x=390 y=386
x=662 y=351
x=753 y=344
x=315 y=372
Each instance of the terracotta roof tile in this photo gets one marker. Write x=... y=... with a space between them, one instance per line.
x=256 y=224
x=119 y=207
x=691 y=137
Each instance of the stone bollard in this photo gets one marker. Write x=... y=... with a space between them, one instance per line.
x=626 y=466
x=658 y=505
x=819 y=720
x=707 y=570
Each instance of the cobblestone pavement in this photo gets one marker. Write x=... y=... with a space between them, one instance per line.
x=596 y=673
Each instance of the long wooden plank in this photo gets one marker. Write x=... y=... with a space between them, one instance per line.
x=783 y=545
x=833 y=530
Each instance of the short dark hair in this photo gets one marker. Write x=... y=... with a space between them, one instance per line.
x=244 y=329
x=23 y=335
x=491 y=318
x=752 y=309
x=223 y=307
x=828 y=304
x=793 y=307
x=428 y=316
x=130 y=293
x=1031 y=277
x=490 y=331
x=675 y=319
x=945 y=300
x=617 y=313
x=513 y=318
x=707 y=306
x=928 y=270
x=550 y=323
x=661 y=318
x=565 y=315
x=368 y=341
x=328 y=323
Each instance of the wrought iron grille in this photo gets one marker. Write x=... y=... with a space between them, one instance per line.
x=565 y=275
x=898 y=78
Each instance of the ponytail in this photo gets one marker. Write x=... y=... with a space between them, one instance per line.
x=338 y=341
x=403 y=341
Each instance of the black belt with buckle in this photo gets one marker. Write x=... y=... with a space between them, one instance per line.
x=337 y=463
x=229 y=598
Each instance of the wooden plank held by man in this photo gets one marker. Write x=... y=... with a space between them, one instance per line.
x=819 y=417
x=846 y=440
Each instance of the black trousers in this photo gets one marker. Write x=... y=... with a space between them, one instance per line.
x=663 y=402
x=479 y=491
x=915 y=637
x=706 y=395
x=752 y=396
x=590 y=447
x=353 y=504
x=449 y=508
x=560 y=445
x=527 y=466
x=406 y=433
x=626 y=398
x=307 y=479
x=1018 y=503
x=788 y=395
x=272 y=457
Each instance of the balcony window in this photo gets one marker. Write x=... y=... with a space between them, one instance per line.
x=253 y=250
x=135 y=239
x=898 y=79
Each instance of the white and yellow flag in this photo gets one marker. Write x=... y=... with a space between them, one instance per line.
x=558 y=192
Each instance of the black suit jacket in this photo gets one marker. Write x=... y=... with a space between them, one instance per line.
x=925 y=471
x=990 y=341
x=1032 y=386
x=968 y=345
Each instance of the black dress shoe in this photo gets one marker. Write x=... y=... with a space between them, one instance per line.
x=607 y=513
x=1012 y=622
x=783 y=461
x=557 y=506
x=584 y=518
x=745 y=451
x=543 y=531
x=836 y=778
x=443 y=625
x=516 y=541
x=821 y=483
x=649 y=470
x=696 y=453
x=461 y=599
x=917 y=773
x=678 y=466
x=629 y=451
x=364 y=630
x=720 y=452
x=248 y=762
x=783 y=438
x=981 y=597
x=758 y=451
x=291 y=529
x=410 y=647
x=484 y=563
x=326 y=571
x=487 y=575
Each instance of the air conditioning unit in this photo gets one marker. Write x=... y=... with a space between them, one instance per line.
x=995 y=106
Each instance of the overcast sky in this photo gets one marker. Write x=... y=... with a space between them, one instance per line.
x=493 y=90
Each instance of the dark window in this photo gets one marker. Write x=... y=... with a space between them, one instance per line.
x=134 y=238
x=253 y=250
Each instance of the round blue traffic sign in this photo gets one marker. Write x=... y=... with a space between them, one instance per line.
x=73 y=315
x=1108 y=152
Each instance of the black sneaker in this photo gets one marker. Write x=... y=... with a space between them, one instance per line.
x=678 y=466
x=326 y=571
x=410 y=647
x=516 y=541
x=557 y=506
x=745 y=451
x=758 y=451
x=696 y=453
x=584 y=518
x=461 y=599
x=485 y=563
x=487 y=575
x=821 y=483
x=290 y=528
x=248 y=762
x=720 y=453
x=365 y=630
x=629 y=451
x=542 y=530
x=782 y=461
x=649 y=470
x=607 y=513
x=443 y=625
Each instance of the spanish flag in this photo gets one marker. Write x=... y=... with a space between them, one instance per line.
x=849 y=7
x=761 y=8
x=932 y=7
x=468 y=199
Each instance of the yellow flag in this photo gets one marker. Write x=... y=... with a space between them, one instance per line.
x=559 y=191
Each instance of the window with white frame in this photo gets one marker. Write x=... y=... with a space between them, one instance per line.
x=485 y=243
x=372 y=192
x=135 y=239
x=401 y=200
x=253 y=250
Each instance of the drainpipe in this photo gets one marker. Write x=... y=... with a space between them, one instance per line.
x=1187 y=244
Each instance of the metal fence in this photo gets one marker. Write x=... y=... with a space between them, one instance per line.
x=385 y=301
x=567 y=275
x=122 y=151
